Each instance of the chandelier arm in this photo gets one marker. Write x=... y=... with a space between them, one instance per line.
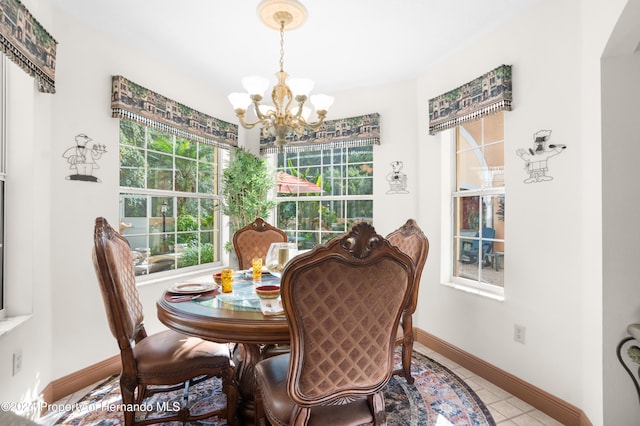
x=240 y=113
x=259 y=114
x=248 y=125
x=315 y=126
x=298 y=113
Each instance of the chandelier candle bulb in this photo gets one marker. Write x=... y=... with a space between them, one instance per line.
x=255 y=85
x=301 y=86
x=239 y=100
x=321 y=102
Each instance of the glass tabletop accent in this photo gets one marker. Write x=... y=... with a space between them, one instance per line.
x=243 y=297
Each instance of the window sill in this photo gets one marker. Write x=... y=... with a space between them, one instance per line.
x=497 y=295
x=9 y=323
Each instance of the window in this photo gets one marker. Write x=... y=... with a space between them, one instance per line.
x=345 y=177
x=3 y=133
x=168 y=199
x=478 y=201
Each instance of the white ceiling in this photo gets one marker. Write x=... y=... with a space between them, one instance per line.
x=343 y=44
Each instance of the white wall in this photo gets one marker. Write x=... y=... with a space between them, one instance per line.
x=621 y=198
x=50 y=272
x=542 y=234
x=86 y=61
x=28 y=267
x=27 y=241
x=398 y=138
x=550 y=287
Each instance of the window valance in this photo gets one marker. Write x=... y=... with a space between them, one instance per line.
x=28 y=44
x=487 y=94
x=131 y=101
x=345 y=132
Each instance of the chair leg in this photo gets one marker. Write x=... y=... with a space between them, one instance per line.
x=127 y=391
x=230 y=389
x=407 y=346
x=258 y=409
x=376 y=404
x=407 y=350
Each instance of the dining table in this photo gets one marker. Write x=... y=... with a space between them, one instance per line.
x=258 y=327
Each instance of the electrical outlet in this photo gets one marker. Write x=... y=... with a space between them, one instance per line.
x=17 y=361
x=519 y=333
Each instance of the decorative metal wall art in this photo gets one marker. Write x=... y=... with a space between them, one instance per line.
x=82 y=158
x=397 y=179
x=536 y=158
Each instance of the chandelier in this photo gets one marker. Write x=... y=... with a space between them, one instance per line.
x=285 y=117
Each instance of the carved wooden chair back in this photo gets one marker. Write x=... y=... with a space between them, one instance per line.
x=165 y=358
x=343 y=301
x=410 y=239
x=254 y=240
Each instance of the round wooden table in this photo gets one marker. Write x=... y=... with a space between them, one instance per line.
x=231 y=318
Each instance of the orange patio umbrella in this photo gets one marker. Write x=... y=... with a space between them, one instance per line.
x=289 y=184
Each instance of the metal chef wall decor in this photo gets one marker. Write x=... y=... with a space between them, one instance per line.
x=397 y=179
x=82 y=158
x=536 y=158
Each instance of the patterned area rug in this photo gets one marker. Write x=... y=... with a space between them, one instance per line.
x=438 y=397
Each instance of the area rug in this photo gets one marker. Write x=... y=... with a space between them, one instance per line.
x=438 y=397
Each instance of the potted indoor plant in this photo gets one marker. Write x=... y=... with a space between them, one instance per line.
x=246 y=182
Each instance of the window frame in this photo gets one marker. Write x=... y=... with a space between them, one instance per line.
x=450 y=194
x=322 y=153
x=174 y=194
x=3 y=169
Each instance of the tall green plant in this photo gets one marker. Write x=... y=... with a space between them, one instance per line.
x=246 y=182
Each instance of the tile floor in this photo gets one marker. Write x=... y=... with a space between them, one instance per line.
x=506 y=409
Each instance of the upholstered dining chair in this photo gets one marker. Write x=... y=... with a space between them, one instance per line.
x=410 y=239
x=254 y=240
x=343 y=301
x=166 y=360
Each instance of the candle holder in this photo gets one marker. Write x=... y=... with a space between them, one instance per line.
x=278 y=256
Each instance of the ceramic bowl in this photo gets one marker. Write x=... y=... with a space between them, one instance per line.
x=268 y=291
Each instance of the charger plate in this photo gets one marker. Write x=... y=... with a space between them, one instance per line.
x=192 y=288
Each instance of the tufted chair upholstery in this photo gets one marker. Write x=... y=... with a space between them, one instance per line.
x=167 y=358
x=254 y=240
x=343 y=302
x=410 y=239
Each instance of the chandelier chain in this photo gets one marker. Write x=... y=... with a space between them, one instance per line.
x=281 y=46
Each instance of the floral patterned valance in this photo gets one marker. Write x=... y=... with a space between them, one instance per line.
x=345 y=132
x=487 y=94
x=130 y=101
x=28 y=44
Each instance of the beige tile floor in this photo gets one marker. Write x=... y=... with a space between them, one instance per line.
x=506 y=409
